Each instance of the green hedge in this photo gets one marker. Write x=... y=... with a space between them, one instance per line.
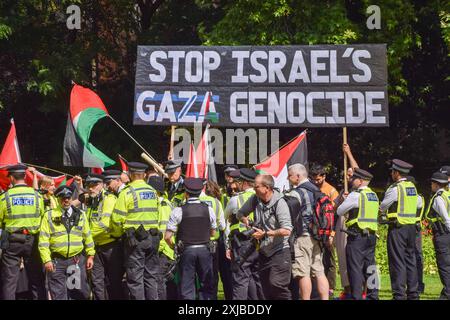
x=429 y=265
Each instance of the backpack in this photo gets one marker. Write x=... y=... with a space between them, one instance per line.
x=323 y=214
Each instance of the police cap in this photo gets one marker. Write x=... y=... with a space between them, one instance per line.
x=439 y=177
x=93 y=178
x=229 y=168
x=172 y=165
x=137 y=167
x=64 y=192
x=193 y=186
x=248 y=174
x=109 y=175
x=446 y=170
x=235 y=174
x=18 y=168
x=362 y=174
x=157 y=183
x=401 y=166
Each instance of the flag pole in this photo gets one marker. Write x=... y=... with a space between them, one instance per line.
x=46 y=168
x=172 y=141
x=344 y=136
x=155 y=163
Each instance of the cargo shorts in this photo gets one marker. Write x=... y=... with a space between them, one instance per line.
x=308 y=258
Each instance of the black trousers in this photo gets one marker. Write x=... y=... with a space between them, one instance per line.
x=225 y=269
x=196 y=261
x=275 y=274
x=246 y=281
x=402 y=262
x=143 y=270
x=69 y=280
x=10 y=269
x=419 y=261
x=442 y=248
x=108 y=271
x=361 y=265
x=167 y=289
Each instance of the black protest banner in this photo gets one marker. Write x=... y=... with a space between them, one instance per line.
x=262 y=86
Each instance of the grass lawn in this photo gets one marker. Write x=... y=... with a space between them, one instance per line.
x=433 y=288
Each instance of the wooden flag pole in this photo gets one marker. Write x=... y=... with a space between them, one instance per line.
x=154 y=163
x=45 y=168
x=344 y=136
x=172 y=141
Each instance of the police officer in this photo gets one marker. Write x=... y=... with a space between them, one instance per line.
x=113 y=182
x=21 y=208
x=107 y=272
x=221 y=226
x=136 y=218
x=175 y=190
x=228 y=191
x=246 y=282
x=167 y=289
x=400 y=205
x=362 y=206
x=64 y=235
x=438 y=213
x=194 y=222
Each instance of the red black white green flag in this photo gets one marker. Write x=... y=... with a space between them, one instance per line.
x=86 y=108
x=277 y=164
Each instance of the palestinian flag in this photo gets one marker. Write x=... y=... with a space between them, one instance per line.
x=10 y=155
x=295 y=151
x=86 y=108
x=123 y=164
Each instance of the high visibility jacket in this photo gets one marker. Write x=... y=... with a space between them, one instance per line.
x=366 y=216
x=137 y=204
x=224 y=198
x=405 y=208
x=21 y=207
x=165 y=211
x=54 y=237
x=431 y=214
x=242 y=197
x=99 y=218
x=53 y=202
x=218 y=210
x=177 y=197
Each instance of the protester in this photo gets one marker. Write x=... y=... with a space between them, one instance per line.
x=272 y=229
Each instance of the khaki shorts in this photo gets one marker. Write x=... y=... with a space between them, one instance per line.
x=308 y=258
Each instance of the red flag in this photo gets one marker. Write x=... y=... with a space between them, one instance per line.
x=96 y=170
x=192 y=169
x=10 y=155
x=123 y=163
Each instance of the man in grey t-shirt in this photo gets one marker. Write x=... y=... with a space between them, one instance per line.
x=272 y=229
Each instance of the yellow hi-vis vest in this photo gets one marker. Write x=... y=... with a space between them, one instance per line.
x=405 y=208
x=217 y=208
x=53 y=202
x=21 y=207
x=242 y=197
x=367 y=215
x=165 y=208
x=54 y=237
x=137 y=204
x=431 y=214
x=99 y=219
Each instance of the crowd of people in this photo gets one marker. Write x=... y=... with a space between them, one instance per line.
x=135 y=235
